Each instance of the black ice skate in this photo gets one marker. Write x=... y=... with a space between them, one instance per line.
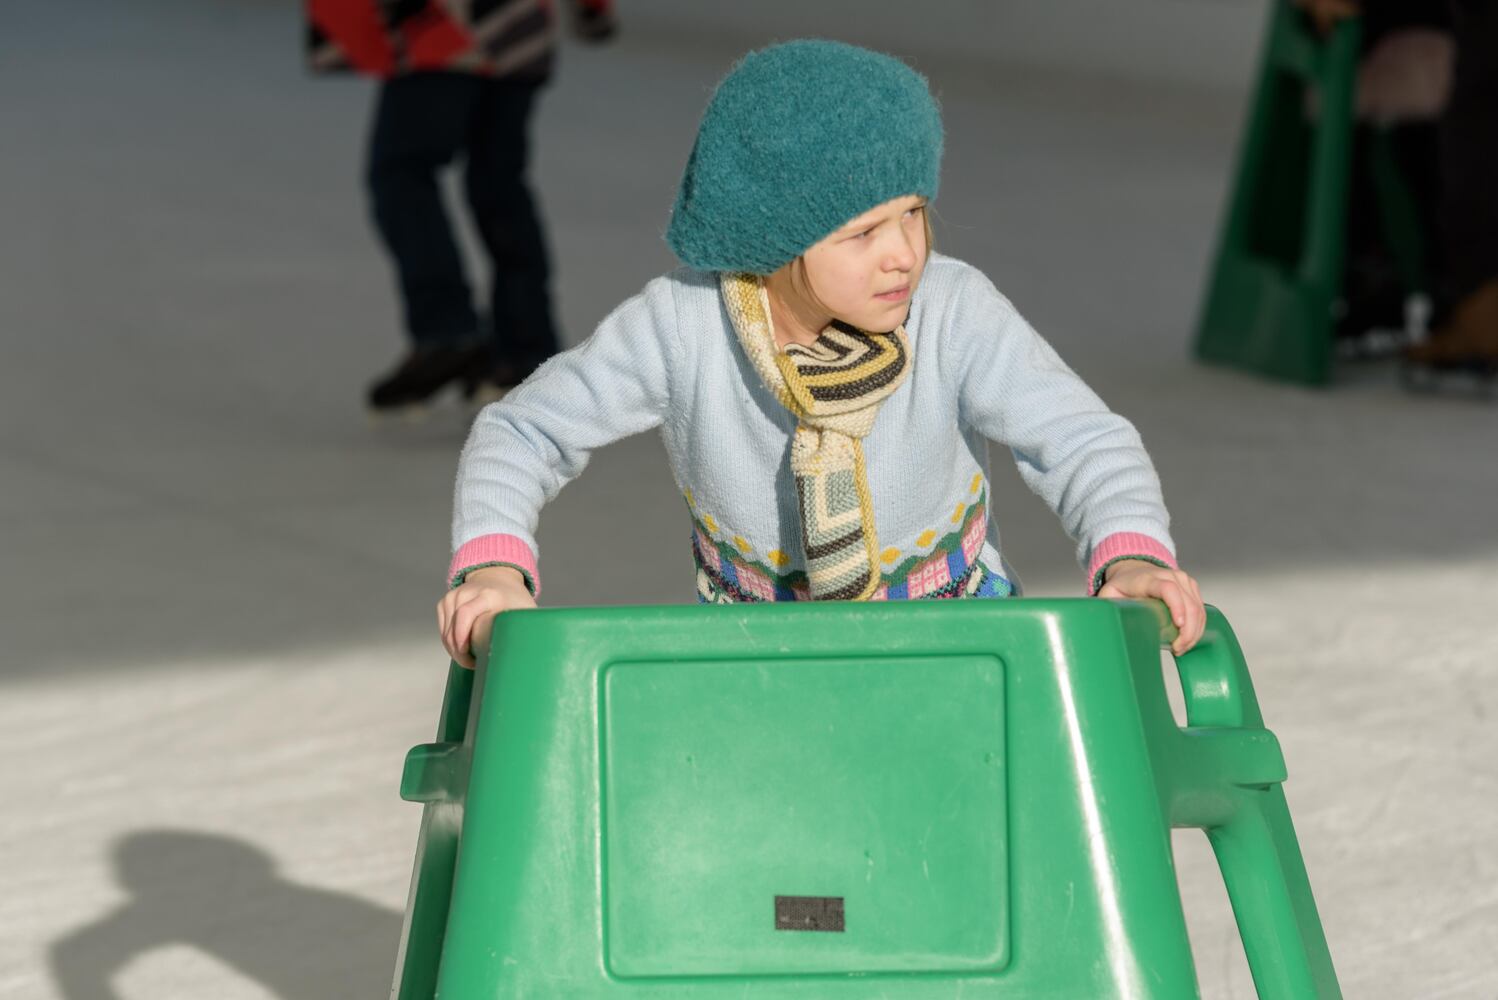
x=492 y=381
x=1462 y=357
x=424 y=373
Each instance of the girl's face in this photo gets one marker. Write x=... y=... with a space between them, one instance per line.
x=865 y=273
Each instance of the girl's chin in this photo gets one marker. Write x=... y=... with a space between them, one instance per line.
x=881 y=318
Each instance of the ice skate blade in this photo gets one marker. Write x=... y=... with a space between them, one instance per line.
x=1372 y=345
x=1476 y=378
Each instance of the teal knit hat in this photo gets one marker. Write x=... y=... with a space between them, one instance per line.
x=798 y=139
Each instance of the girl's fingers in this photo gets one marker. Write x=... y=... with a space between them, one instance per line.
x=456 y=647
x=1175 y=598
x=456 y=601
x=467 y=620
x=445 y=611
x=1169 y=591
x=1201 y=611
x=1196 y=613
x=1188 y=606
x=444 y=617
x=463 y=626
x=449 y=614
x=457 y=642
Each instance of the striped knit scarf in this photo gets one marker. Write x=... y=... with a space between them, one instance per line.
x=834 y=387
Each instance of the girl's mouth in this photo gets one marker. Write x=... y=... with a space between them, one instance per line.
x=895 y=295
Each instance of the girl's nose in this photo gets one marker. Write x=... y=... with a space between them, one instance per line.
x=902 y=254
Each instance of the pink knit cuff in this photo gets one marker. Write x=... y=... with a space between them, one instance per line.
x=1124 y=545
x=495 y=550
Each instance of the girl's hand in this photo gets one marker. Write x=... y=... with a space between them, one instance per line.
x=467 y=611
x=1138 y=579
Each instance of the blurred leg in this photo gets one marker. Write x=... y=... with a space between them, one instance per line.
x=505 y=213
x=421 y=122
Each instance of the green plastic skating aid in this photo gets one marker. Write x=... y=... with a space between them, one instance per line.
x=892 y=800
x=1280 y=257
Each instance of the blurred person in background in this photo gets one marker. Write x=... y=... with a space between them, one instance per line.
x=458 y=82
x=1469 y=158
x=1403 y=85
x=1466 y=328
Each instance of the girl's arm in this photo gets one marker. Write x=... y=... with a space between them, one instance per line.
x=525 y=448
x=1086 y=462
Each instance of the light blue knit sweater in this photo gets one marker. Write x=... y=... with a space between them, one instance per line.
x=668 y=358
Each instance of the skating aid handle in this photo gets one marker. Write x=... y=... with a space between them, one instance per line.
x=1214 y=676
x=438 y=772
x=1229 y=748
x=1228 y=783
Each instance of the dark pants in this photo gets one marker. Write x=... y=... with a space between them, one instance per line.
x=422 y=123
x=1469 y=151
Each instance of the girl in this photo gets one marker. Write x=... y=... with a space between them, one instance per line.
x=825 y=385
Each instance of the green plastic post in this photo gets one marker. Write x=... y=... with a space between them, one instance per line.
x=437 y=849
x=1280 y=256
x=897 y=800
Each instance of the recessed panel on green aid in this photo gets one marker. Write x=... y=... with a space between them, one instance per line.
x=836 y=816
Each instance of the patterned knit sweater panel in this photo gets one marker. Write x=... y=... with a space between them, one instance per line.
x=668 y=358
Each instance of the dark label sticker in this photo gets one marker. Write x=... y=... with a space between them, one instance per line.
x=808 y=913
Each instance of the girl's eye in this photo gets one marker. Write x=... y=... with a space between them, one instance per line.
x=910 y=213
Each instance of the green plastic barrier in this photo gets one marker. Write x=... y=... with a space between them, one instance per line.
x=1280 y=257
x=851 y=800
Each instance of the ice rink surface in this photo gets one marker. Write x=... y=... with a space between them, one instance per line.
x=218 y=575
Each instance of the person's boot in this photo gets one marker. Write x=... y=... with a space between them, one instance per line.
x=1469 y=338
x=423 y=373
x=490 y=380
x=1462 y=355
